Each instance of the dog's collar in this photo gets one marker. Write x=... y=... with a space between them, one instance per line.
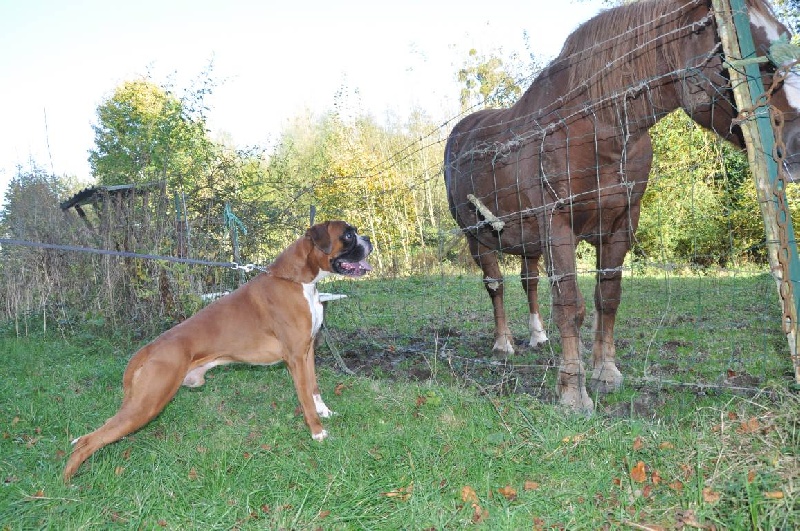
x=320 y=275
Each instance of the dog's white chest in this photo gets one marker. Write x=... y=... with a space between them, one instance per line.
x=315 y=307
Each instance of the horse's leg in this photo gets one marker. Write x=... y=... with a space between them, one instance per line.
x=530 y=283
x=493 y=281
x=606 y=377
x=568 y=312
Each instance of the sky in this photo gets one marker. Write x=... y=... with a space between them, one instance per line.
x=272 y=61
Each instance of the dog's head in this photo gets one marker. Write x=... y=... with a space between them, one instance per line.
x=344 y=250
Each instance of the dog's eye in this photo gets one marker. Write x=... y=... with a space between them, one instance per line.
x=348 y=236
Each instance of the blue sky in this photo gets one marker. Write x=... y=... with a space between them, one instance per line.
x=59 y=60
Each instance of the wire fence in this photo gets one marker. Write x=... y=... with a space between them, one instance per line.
x=699 y=306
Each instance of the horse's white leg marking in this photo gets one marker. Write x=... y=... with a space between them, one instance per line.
x=538 y=335
x=322 y=409
x=503 y=342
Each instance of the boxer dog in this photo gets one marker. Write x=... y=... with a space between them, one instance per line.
x=272 y=318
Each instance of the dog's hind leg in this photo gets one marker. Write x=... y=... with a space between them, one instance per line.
x=149 y=384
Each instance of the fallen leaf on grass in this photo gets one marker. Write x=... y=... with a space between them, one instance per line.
x=531 y=485
x=638 y=444
x=774 y=495
x=402 y=494
x=666 y=446
x=655 y=477
x=638 y=472
x=324 y=514
x=676 y=485
x=750 y=426
x=338 y=389
x=688 y=519
x=479 y=514
x=508 y=492
x=710 y=495
x=468 y=494
x=192 y=474
x=118 y=471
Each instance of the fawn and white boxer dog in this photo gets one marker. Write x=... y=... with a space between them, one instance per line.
x=272 y=318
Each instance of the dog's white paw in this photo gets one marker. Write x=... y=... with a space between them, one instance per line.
x=322 y=409
x=321 y=436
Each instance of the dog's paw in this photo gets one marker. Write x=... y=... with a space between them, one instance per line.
x=321 y=436
x=322 y=409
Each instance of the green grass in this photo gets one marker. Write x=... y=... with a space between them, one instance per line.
x=236 y=454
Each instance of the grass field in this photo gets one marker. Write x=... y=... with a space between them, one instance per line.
x=432 y=431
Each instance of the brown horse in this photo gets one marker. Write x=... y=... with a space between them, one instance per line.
x=570 y=161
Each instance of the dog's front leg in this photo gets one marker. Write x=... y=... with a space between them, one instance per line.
x=305 y=384
x=310 y=367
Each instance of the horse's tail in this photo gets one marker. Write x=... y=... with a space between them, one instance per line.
x=447 y=172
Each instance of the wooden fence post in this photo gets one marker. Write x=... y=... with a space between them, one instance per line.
x=754 y=119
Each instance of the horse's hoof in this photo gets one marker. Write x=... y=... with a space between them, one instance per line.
x=536 y=343
x=606 y=378
x=576 y=401
x=502 y=345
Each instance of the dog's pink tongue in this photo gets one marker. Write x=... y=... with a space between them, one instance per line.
x=364 y=265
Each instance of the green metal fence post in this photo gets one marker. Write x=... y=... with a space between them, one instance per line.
x=733 y=24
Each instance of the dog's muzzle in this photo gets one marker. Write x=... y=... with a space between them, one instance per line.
x=352 y=262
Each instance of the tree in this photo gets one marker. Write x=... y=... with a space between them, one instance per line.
x=144 y=133
x=789 y=13
x=486 y=83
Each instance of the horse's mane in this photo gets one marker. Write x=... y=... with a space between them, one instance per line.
x=622 y=46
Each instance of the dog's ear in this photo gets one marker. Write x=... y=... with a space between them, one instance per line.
x=318 y=234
